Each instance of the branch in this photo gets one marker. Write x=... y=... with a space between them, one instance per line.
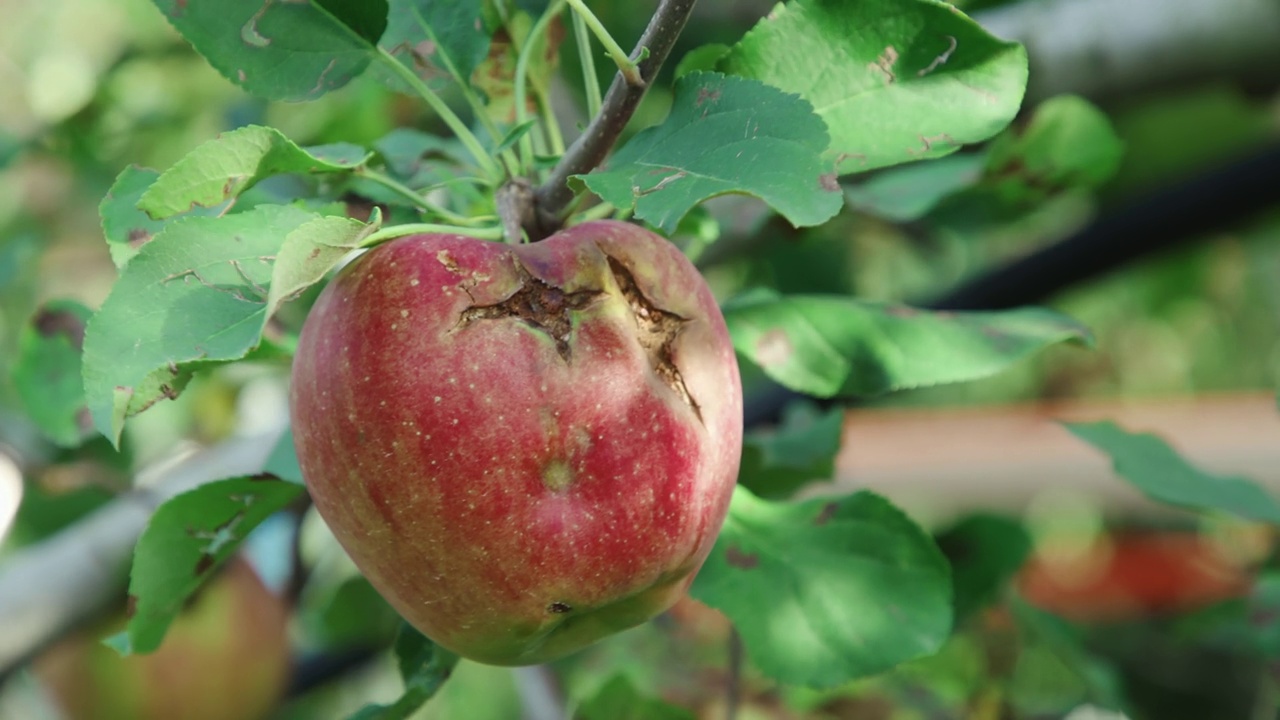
x=1104 y=49
x=589 y=150
x=50 y=587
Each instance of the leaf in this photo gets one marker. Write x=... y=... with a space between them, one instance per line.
x=776 y=464
x=985 y=552
x=911 y=191
x=297 y=50
x=199 y=293
x=449 y=35
x=618 y=699
x=724 y=135
x=700 y=59
x=827 y=345
x=125 y=226
x=826 y=591
x=47 y=372
x=188 y=537
x=424 y=666
x=1068 y=144
x=226 y=166
x=495 y=76
x=895 y=80
x=283 y=461
x=311 y=250
x=1150 y=465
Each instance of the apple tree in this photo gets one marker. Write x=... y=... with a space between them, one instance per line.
x=532 y=396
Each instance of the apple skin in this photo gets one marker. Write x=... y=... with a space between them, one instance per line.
x=226 y=657
x=524 y=448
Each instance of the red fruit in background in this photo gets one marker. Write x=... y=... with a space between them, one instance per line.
x=524 y=448
x=226 y=657
x=1130 y=576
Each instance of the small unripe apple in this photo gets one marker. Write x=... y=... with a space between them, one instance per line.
x=226 y=657
x=524 y=448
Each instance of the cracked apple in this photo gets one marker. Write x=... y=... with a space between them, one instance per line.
x=525 y=448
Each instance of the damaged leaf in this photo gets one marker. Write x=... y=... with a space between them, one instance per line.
x=188 y=537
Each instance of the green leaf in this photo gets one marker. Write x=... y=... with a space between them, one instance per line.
x=895 y=80
x=226 y=166
x=910 y=192
x=1068 y=144
x=424 y=666
x=724 y=135
x=830 y=345
x=1149 y=464
x=125 y=227
x=199 y=293
x=701 y=59
x=188 y=537
x=826 y=591
x=311 y=250
x=447 y=34
x=985 y=552
x=777 y=463
x=295 y=50
x=618 y=699
x=283 y=461
x=513 y=136
x=47 y=372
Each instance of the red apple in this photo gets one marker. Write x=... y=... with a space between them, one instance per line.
x=524 y=448
x=226 y=657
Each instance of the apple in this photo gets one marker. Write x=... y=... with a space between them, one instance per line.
x=226 y=657
x=524 y=448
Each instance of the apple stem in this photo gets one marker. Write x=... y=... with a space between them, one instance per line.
x=590 y=81
x=625 y=64
x=620 y=103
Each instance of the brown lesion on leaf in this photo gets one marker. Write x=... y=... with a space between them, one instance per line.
x=657 y=331
x=538 y=304
x=827 y=512
x=740 y=559
x=51 y=321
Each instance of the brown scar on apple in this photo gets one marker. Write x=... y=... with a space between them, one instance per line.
x=657 y=333
x=540 y=305
x=559 y=608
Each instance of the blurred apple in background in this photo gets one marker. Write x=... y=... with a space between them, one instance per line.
x=226 y=657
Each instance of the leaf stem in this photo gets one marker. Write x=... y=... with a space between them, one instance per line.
x=626 y=65
x=590 y=81
x=620 y=103
x=522 y=79
x=417 y=198
x=385 y=234
x=450 y=118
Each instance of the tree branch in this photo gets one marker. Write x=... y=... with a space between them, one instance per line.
x=53 y=586
x=589 y=150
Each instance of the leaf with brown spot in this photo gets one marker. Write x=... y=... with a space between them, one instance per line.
x=47 y=371
x=197 y=530
x=297 y=50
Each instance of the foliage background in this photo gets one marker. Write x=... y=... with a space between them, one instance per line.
x=90 y=86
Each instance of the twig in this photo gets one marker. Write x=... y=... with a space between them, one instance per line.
x=733 y=692
x=627 y=66
x=620 y=103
